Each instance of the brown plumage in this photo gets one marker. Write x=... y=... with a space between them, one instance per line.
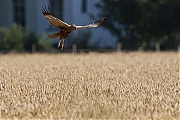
x=66 y=29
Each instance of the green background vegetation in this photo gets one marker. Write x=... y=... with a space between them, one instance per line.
x=21 y=39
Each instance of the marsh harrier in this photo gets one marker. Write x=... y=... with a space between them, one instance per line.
x=65 y=29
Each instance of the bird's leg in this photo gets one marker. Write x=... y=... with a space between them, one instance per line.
x=59 y=43
x=62 y=44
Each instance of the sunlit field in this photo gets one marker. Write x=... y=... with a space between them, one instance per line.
x=122 y=85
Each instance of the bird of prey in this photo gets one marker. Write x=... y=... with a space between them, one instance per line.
x=65 y=29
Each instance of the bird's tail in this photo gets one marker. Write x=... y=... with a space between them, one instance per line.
x=55 y=35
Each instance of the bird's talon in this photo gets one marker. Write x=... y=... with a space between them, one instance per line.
x=58 y=45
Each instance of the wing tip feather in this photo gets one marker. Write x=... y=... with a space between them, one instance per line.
x=46 y=11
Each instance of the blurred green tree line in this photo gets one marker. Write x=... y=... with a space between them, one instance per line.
x=141 y=24
x=20 y=39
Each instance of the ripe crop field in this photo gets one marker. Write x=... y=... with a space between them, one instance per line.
x=94 y=85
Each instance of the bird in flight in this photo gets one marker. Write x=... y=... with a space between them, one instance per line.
x=65 y=29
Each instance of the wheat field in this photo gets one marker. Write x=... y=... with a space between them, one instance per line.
x=134 y=85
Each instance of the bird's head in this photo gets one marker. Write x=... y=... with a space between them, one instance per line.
x=73 y=26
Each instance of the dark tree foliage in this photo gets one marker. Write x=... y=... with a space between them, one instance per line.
x=142 y=23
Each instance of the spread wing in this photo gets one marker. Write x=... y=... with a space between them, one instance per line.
x=55 y=22
x=95 y=24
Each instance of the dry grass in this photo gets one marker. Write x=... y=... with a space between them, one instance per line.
x=118 y=85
